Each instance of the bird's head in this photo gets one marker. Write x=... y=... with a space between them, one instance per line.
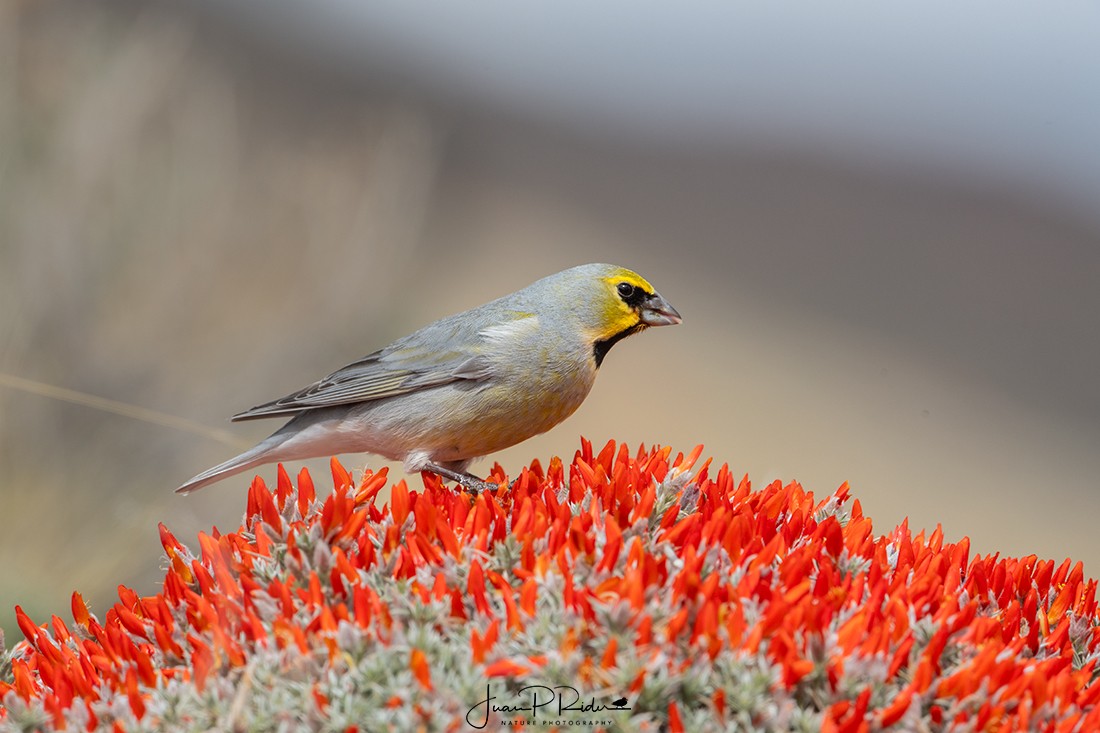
x=614 y=303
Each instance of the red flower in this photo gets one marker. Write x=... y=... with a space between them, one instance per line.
x=639 y=572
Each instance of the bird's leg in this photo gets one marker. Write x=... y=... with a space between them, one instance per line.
x=468 y=481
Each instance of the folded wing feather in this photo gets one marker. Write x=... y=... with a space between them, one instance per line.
x=376 y=377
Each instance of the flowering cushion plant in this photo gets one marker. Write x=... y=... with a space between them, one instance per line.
x=622 y=592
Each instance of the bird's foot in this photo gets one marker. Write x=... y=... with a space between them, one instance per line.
x=469 y=482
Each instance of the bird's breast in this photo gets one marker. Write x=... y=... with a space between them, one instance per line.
x=507 y=410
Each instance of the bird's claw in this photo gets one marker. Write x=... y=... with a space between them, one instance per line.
x=476 y=487
x=470 y=484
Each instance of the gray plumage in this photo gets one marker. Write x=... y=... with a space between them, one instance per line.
x=466 y=385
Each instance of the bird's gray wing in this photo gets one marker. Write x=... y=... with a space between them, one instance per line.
x=414 y=363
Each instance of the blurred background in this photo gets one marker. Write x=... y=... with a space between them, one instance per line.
x=879 y=222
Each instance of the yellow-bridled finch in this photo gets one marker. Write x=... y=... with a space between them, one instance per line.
x=467 y=385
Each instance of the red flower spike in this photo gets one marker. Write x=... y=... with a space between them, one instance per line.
x=515 y=623
x=475 y=587
x=1008 y=631
x=306 y=493
x=675 y=722
x=143 y=673
x=283 y=487
x=28 y=627
x=341 y=479
x=644 y=508
x=506 y=668
x=586 y=475
x=481 y=645
x=608 y=659
x=351 y=527
x=268 y=511
x=528 y=596
x=585 y=452
x=202 y=660
x=24 y=683
x=128 y=598
x=607 y=453
x=168 y=541
x=371 y=485
x=687 y=463
x=80 y=611
x=131 y=622
x=319 y=698
x=419 y=556
x=399 y=503
x=418 y=663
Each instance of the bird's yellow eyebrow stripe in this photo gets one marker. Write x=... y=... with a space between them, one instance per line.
x=629 y=277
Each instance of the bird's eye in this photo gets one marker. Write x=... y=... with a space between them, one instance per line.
x=626 y=290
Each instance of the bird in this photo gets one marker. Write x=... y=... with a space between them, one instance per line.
x=467 y=385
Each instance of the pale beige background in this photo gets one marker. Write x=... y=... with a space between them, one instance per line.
x=197 y=216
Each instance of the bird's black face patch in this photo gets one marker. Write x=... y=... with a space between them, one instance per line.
x=631 y=294
x=603 y=346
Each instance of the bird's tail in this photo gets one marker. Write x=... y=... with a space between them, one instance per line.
x=265 y=452
x=311 y=434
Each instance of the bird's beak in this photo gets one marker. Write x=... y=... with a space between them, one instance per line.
x=656 y=311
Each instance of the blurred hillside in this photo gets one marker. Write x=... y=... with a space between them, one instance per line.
x=195 y=218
